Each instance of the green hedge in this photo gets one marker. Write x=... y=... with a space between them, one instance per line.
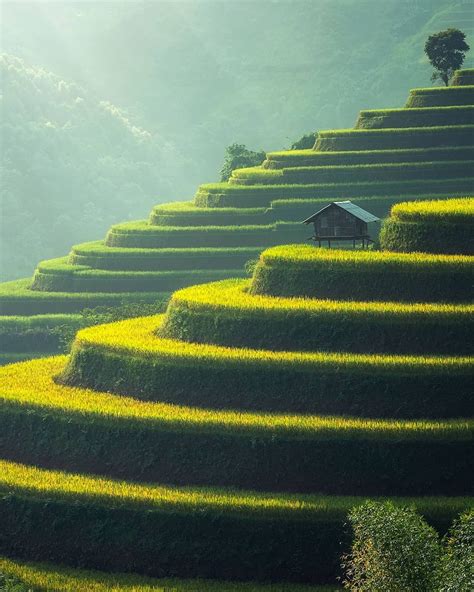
x=441 y=96
x=356 y=174
x=463 y=77
x=225 y=314
x=16 y=298
x=224 y=194
x=280 y=160
x=390 y=139
x=55 y=578
x=305 y=270
x=169 y=444
x=415 y=117
x=98 y=256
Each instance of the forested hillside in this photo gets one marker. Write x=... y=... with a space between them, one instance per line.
x=111 y=107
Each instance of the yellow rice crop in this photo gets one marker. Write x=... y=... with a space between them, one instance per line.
x=31 y=385
x=233 y=295
x=437 y=209
x=59 y=484
x=138 y=337
x=53 y=578
x=307 y=254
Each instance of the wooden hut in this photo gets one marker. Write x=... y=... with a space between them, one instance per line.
x=341 y=221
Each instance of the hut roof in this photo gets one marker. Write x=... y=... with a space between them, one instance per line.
x=354 y=210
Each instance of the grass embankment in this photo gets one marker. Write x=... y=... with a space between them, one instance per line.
x=463 y=77
x=225 y=313
x=57 y=275
x=185 y=213
x=292 y=158
x=394 y=138
x=441 y=96
x=415 y=117
x=99 y=256
x=433 y=226
x=90 y=431
x=27 y=576
x=17 y=298
x=361 y=173
x=141 y=234
x=225 y=194
x=306 y=530
x=303 y=270
x=135 y=360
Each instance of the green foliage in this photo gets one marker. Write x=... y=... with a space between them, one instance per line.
x=394 y=550
x=238 y=156
x=457 y=565
x=306 y=142
x=446 y=51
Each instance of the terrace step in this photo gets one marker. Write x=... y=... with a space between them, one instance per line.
x=415 y=117
x=57 y=275
x=191 y=446
x=292 y=158
x=304 y=530
x=159 y=368
x=226 y=313
x=98 y=256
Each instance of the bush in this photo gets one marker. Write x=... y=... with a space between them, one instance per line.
x=306 y=142
x=457 y=565
x=394 y=550
x=238 y=156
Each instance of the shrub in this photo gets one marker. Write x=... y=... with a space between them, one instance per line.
x=394 y=550
x=238 y=156
x=456 y=573
x=305 y=142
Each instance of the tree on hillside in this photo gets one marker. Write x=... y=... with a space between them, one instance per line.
x=446 y=51
x=305 y=142
x=238 y=156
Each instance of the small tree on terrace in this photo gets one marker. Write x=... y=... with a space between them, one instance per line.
x=238 y=156
x=446 y=51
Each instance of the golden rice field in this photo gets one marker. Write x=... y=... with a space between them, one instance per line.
x=53 y=578
x=449 y=210
x=31 y=385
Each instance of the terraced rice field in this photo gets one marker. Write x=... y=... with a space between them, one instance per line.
x=223 y=443
x=422 y=151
